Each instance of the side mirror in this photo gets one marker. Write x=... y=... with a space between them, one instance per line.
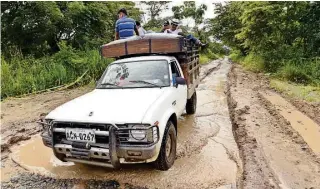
x=180 y=81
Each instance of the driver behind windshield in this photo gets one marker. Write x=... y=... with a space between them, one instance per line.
x=130 y=75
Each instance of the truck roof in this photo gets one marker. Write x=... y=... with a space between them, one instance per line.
x=141 y=58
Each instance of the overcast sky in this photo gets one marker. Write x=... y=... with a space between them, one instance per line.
x=189 y=22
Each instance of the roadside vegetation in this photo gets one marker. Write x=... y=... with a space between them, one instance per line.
x=306 y=92
x=24 y=75
x=281 y=39
x=47 y=45
x=50 y=44
x=212 y=52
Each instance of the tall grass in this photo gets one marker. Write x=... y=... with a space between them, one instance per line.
x=297 y=70
x=254 y=63
x=302 y=71
x=235 y=56
x=22 y=75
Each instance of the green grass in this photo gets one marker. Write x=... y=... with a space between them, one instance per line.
x=235 y=56
x=23 y=75
x=204 y=59
x=307 y=93
x=297 y=78
x=208 y=56
x=305 y=72
x=298 y=70
x=253 y=63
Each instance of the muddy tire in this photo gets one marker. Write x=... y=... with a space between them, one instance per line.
x=167 y=153
x=191 y=105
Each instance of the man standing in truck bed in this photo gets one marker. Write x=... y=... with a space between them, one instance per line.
x=125 y=27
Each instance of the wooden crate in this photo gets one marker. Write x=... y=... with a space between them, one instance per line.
x=150 y=44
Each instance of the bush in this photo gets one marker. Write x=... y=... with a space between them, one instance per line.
x=303 y=71
x=236 y=56
x=204 y=59
x=22 y=75
x=253 y=63
x=212 y=55
x=295 y=74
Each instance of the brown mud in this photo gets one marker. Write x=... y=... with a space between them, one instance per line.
x=19 y=115
x=278 y=150
x=207 y=154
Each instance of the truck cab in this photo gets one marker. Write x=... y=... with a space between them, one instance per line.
x=130 y=117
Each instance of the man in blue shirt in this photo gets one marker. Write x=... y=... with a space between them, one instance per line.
x=125 y=27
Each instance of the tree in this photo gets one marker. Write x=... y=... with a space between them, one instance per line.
x=189 y=10
x=274 y=31
x=154 y=8
x=45 y=24
x=227 y=24
x=29 y=26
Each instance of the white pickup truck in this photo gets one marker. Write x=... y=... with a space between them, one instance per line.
x=130 y=117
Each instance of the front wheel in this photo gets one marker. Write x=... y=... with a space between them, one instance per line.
x=191 y=105
x=167 y=153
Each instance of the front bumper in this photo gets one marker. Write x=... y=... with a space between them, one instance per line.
x=101 y=154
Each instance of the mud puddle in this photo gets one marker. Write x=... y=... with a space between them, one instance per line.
x=207 y=155
x=305 y=126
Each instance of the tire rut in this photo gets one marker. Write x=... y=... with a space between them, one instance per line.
x=273 y=154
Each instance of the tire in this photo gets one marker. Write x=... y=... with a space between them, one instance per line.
x=191 y=106
x=165 y=160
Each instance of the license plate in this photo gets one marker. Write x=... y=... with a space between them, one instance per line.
x=81 y=135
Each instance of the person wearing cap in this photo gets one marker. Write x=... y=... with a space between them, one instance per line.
x=141 y=30
x=125 y=27
x=166 y=26
x=178 y=31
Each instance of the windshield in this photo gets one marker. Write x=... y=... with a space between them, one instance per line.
x=148 y=73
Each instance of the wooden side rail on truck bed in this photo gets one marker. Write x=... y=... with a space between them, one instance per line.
x=150 y=44
x=160 y=44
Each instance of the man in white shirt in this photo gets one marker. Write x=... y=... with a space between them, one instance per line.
x=141 y=31
x=178 y=31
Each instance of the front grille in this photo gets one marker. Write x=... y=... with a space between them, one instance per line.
x=96 y=126
x=101 y=141
x=123 y=137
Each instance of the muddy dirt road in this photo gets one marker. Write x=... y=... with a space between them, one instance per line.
x=207 y=154
x=279 y=145
x=243 y=136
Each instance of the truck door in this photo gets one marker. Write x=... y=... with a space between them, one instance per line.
x=181 y=90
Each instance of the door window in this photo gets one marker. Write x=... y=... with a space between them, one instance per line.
x=174 y=69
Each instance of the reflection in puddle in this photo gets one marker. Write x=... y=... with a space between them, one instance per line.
x=305 y=126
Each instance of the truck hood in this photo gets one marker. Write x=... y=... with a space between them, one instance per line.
x=108 y=106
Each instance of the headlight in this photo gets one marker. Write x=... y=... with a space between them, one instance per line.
x=142 y=133
x=138 y=132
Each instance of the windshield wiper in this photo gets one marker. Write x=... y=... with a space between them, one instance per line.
x=144 y=82
x=112 y=84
